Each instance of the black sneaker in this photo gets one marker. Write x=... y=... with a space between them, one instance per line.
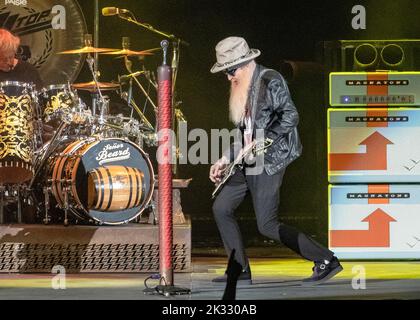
x=323 y=272
x=244 y=278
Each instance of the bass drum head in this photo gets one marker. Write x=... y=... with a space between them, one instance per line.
x=101 y=156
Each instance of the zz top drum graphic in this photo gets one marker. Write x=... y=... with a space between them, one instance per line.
x=47 y=27
x=108 y=181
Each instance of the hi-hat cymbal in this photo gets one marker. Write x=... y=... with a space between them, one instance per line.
x=127 y=52
x=87 y=50
x=91 y=86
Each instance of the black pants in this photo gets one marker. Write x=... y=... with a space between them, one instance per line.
x=264 y=190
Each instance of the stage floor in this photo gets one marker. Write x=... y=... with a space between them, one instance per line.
x=273 y=278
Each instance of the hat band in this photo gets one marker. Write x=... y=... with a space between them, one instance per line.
x=237 y=59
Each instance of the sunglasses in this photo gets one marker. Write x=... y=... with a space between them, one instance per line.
x=230 y=71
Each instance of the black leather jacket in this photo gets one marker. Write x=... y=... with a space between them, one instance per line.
x=273 y=111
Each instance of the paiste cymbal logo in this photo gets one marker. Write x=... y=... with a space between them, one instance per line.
x=16 y=2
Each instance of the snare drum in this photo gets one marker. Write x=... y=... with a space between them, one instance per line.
x=109 y=181
x=55 y=101
x=17 y=141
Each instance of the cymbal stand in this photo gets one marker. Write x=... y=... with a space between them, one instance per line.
x=134 y=107
x=96 y=34
x=132 y=103
x=149 y=75
x=176 y=43
x=128 y=67
x=142 y=116
x=91 y=62
x=175 y=65
x=130 y=96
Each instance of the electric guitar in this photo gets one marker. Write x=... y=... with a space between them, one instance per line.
x=255 y=147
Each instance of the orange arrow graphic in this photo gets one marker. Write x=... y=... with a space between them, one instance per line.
x=378 y=234
x=375 y=157
x=377 y=90
x=378 y=188
x=377 y=113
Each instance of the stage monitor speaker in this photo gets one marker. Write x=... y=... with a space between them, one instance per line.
x=370 y=55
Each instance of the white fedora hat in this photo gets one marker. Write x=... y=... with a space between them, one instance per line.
x=233 y=51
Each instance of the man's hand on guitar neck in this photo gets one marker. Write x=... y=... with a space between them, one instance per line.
x=216 y=170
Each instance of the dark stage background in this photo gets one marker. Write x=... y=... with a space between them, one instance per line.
x=281 y=30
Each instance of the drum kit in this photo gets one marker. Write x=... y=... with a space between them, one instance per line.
x=91 y=168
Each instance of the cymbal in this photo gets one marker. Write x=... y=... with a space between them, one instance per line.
x=86 y=50
x=127 y=52
x=91 y=86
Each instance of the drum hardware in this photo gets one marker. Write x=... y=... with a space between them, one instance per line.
x=66 y=206
x=150 y=76
x=133 y=76
x=103 y=110
x=176 y=44
x=2 y=192
x=153 y=207
x=47 y=217
x=19 y=207
x=129 y=129
x=13 y=193
x=132 y=104
x=100 y=102
x=92 y=63
x=96 y=33
x=147 y=126
x=128 y=66
x=40 y=164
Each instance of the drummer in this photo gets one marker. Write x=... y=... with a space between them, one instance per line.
x=11 y=68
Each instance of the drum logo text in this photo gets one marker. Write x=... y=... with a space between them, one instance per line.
x=110 y=153
x=35 y=21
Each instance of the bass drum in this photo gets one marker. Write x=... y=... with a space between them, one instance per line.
x=109 y=181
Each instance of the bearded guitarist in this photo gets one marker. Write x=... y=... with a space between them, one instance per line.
x=260 y=100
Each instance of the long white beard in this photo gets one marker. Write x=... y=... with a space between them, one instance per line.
x=238 y=99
